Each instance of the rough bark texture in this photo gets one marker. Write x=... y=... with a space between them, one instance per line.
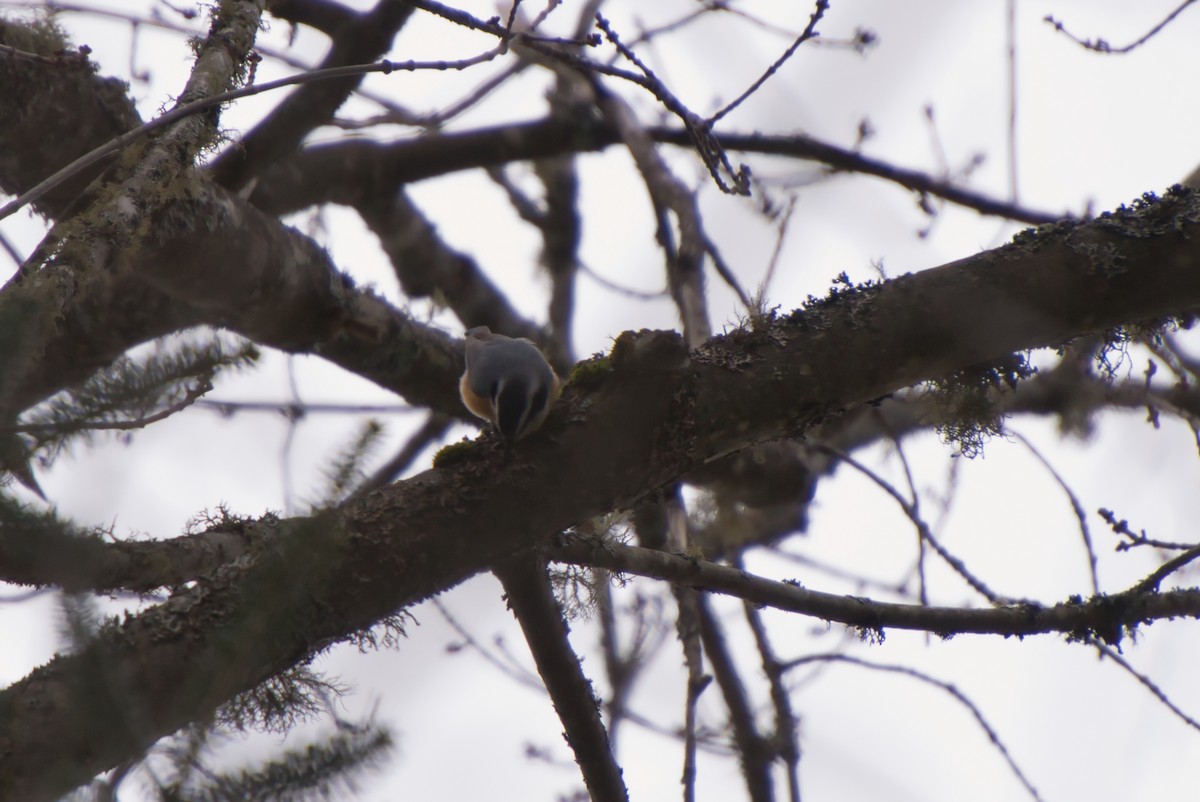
x=150 y=255
x=627 y=425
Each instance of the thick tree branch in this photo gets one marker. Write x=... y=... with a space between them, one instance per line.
x=108 y=218
x=332 y=173
x=428 y=267
x=243 y=271
x=365 y=38
x=326 y=16
x=54 y=113
x=628 y=425
x=40 y=550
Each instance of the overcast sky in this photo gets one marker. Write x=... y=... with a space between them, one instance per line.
x=1092 y=131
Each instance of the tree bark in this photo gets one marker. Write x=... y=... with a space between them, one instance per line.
x=626 y=425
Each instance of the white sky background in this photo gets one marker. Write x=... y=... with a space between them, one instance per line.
x=1092 y=129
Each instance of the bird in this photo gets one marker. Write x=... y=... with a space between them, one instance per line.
x=507 y=381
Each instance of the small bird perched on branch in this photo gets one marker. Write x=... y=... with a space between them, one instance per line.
x=508 y=382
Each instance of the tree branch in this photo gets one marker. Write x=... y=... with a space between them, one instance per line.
x=332 y=173
x=532 y=601
x=631 y=423
x=1105 y=616
x=364 y=38
x=40 y=550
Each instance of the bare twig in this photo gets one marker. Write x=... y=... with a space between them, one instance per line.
x=1011 y=35
x=191 y=396
x=1150 y=583
x=685 y=262
x=290 y=409
x=848 y=160
x=508 y=668
x=688 y=628
x=899 y=588
x=785 y=218
x=1102 y=46
x=629 y=292
x=24 y=55
x=700 y=131
x=1076 y=507
x=187 y=109
x=624 y=665
x=11 y=250
x=1121 y=527
x=809 y=32
x=923 y=530
x=435 y=426
x=949 y=688
x=138 y=21
x=916 y=517
x=1145 y=681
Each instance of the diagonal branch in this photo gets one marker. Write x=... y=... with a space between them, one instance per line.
x=647 y=414
x=532 y=601
x=366 y=37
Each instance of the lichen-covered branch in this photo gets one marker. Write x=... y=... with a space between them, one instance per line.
x=1108 y=617
x=627 y=425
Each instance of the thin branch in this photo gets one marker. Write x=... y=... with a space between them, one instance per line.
x=754 y=753
x=911 y=512
x=11 y=250
x=668 y=195
x=787 y=746
x=1150 y=583
x=1121 y=527
x=435 y=426
x=1101 y=46
x=1011 y=35
x=688 y=628
x=785 y=219
x=1076 y=507
x=628 y=292
x=916 y=517
x=1146 y=682
x=509 y=668
x=290 y=409
x=949 y=688
x=899 y=588
x=417 y=158
x=697 y=682
x=707 y=146
x=710 y=147
x=191 y=396
x=809 y=32
x=136 y=21
x=620 y=669
x=187 y=109
x=24 y=55
x=848 y=160
x=1105 y=616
